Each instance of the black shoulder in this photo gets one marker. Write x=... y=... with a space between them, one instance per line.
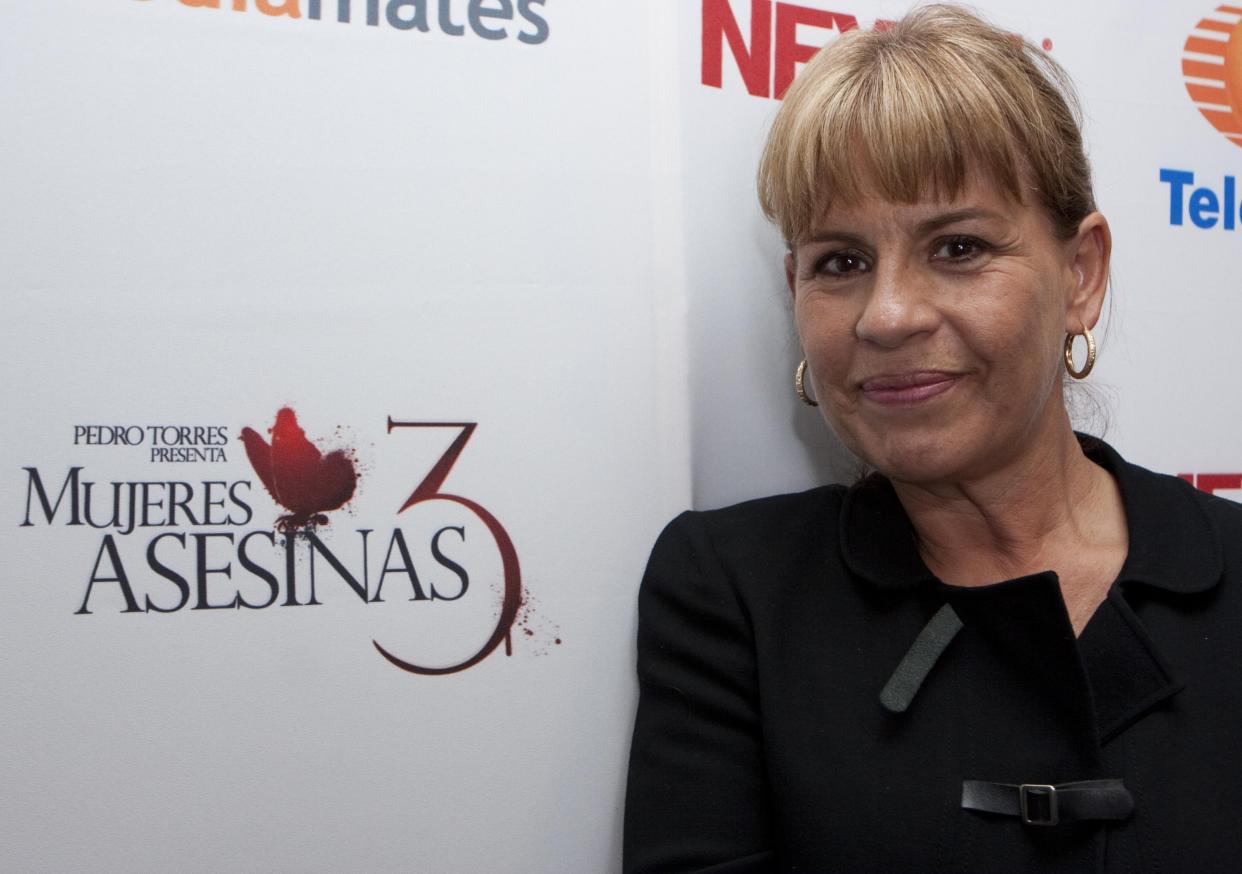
x=781 y=515
x=1225 y=518
x=1181 y=537
x=761 y=538
x=1225 y=513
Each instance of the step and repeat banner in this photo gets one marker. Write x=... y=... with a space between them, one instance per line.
x=355 y=353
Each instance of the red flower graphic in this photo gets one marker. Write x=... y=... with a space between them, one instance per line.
x=297 y=475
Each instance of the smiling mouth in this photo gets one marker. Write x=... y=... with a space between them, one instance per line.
x=907 y=389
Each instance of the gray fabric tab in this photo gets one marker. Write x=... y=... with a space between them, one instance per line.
x=917 y=663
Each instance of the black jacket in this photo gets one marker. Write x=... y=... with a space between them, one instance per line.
x=768 y=629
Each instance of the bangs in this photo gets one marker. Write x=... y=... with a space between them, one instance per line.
x=906 y=116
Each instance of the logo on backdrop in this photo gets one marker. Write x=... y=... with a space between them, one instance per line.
x=298 y=476
x=1212 y=69
x=1212 y=483
x=765 y=73
x=768 y=60
x=171 y=542
x=1212 y=66
x=485 y=19
x=1216 y=483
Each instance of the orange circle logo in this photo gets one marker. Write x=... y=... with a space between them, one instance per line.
x=1212 y=65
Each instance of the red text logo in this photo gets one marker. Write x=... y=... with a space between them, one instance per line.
x=766 y=72
x=1214 y=482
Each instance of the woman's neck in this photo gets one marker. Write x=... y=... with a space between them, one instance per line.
x=1047 y=508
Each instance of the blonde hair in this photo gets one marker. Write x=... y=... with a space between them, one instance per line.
x=912 y=109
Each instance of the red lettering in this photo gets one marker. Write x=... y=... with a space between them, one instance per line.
x=1214 y=482
x=429 y=490
x=755 y=63
x=789 y=52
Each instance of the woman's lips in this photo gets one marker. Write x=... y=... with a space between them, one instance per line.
x=908 y=388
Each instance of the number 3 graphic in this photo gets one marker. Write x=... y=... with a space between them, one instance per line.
x=428 y=490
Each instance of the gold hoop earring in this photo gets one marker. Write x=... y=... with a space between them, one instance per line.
x=1069 y=354
x=800 y=386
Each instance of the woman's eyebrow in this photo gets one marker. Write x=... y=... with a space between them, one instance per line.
x=829 y=235
x=958 y=215
x=926 y=226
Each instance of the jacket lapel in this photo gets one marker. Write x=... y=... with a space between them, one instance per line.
x=1173 y=547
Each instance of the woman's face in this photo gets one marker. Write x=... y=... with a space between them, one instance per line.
x=934 y=331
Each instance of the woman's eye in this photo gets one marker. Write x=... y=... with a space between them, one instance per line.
x=958 y=250
x=843 y=264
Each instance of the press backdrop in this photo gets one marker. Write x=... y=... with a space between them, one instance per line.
x=355 y=352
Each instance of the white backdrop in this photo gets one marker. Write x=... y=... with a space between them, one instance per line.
x=212 y=215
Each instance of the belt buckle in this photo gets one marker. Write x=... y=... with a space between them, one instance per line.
x=1038 y=791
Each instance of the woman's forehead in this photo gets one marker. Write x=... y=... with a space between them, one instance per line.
x=868 y=203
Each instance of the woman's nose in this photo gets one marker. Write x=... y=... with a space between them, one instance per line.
x=898 y=306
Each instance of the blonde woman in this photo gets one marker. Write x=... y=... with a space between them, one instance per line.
x=1008 y=649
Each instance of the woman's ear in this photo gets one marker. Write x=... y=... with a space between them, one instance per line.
x=1090 y=253
x=789 y=272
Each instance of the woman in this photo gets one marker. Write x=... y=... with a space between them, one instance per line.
x=1008 y=649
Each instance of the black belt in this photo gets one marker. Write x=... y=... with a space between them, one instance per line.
x=1047 y=804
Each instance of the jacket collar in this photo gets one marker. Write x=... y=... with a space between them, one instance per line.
x=1174 y=544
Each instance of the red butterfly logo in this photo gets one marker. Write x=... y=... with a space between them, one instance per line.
x=297 y=475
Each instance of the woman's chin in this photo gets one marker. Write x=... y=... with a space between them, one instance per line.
x=917 y=459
